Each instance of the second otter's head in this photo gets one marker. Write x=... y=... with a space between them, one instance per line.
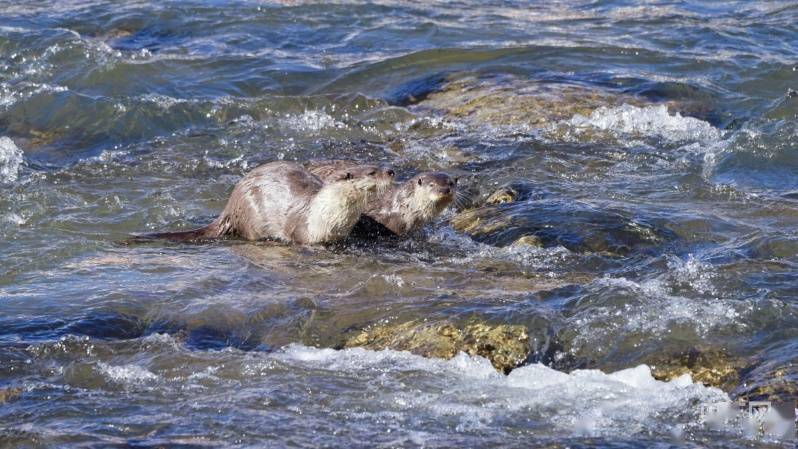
x=368 y=179
x=432 y=192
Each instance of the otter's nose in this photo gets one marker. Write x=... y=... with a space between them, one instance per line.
x=447 y=191
x=390 y=173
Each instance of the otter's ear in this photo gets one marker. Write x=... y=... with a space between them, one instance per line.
x=419 y=181
x=348 y=176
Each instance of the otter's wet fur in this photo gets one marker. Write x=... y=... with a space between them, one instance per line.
x=403 y=208
x=283 y=201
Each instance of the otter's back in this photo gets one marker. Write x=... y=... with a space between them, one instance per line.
x=269 y=201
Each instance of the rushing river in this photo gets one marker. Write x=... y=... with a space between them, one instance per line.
x=651 y=154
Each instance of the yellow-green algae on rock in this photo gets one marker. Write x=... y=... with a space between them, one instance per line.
x=710 y=367
x=505 y=345
x=9 y=394
x=481 y=219
x=502 y=196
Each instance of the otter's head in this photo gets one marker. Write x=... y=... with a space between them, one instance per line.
x=432 y=192
x=368 y=179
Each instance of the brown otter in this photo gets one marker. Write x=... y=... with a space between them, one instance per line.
x=284 y=201
x=404 y=208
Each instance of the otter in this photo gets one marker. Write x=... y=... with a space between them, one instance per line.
x=283 y=201
x=404 y=208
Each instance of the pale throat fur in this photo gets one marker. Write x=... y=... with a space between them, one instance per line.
x=333 y=212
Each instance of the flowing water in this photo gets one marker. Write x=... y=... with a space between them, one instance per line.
x=653 y=149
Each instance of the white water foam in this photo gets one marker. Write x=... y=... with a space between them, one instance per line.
x=699 y=275
x=311 y=121
x=583 y=402
x=654 y=310
x=126 y=374
x=527 y=256
x=10 y=160
x=649 y=121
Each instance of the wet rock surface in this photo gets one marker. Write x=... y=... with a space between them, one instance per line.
x=506 y=346
x=510 y=101
x=577 y=227
x=10 y=394
x=712 y=368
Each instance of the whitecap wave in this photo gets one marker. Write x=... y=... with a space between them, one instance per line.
x=651 y=307
x=649 y=121
x=126 y=374
x=659 y=308
x=10 y=160
x=582 y=402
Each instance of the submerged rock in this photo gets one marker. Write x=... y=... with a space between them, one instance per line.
x=508 y=100
x=506 y=346
x=579 y=227
x=503 y=195
x=770 y=380
x=10 y=394
x=710 y=367
x=480 y=221
x=779 y=389
x=572 y=111
x=528 y=240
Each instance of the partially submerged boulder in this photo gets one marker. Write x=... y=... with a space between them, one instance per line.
x=577 y=226
x=559 y=109
x=505 y=345
x=511 y=101
x=711 y=367
x=10 y=394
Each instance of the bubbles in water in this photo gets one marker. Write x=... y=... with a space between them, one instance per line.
x=12 y=218
x=697 y=274
x=312 y=121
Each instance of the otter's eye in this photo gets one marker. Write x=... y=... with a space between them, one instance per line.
x=456 y=180
x=419 y=182
x=348 y=176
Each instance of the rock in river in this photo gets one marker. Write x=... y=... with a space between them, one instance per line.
x=505 y=345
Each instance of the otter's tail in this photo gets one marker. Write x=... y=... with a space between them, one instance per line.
x=194 y=235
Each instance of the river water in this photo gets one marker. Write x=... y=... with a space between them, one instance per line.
x=652 y=146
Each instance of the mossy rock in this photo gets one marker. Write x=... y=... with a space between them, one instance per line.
x=10 y=394
x=713 y=368
x=480 y=221
x=503 y=195
x=771 y=383
x=506 y=346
